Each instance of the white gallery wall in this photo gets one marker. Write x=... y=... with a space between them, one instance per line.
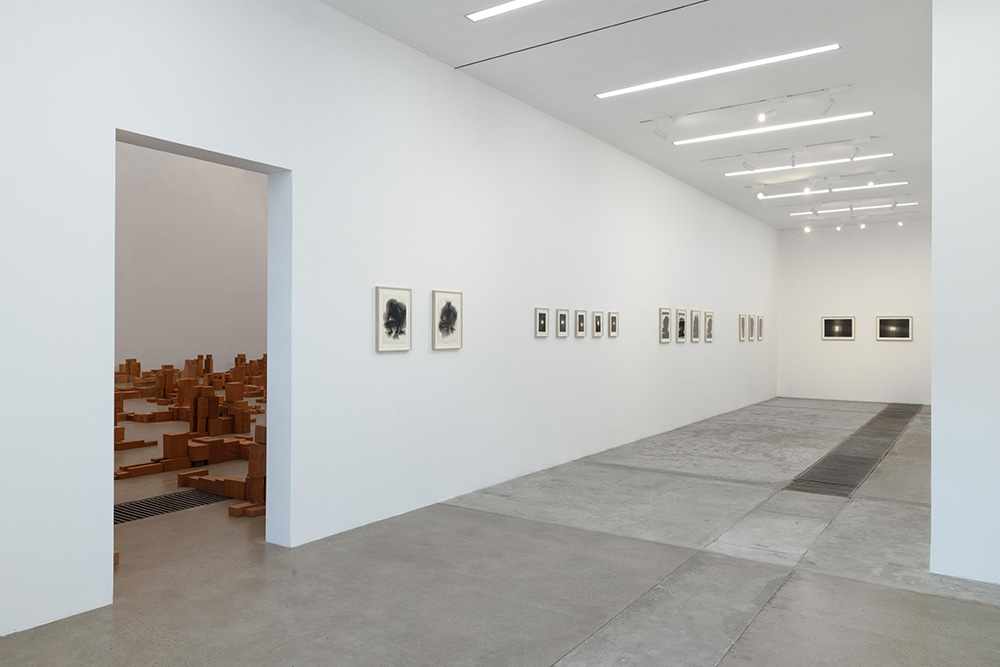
x=190 y=259
x=485 y=196
x=883 y=270
x=965 y=471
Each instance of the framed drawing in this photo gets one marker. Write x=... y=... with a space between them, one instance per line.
x=680 y=325
x=580 y=317
x=541 y=322
x=743 y=327
x=838 y=328
x=392 y=319
x=894 y=328
x=664 y=325
x=612 y=324
x=598 y=329
x=760 y=327
x=751 y=328
x=695 y=326
x=562 y=323
x=447 y=334
x=709 y=326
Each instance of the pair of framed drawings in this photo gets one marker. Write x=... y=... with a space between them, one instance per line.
x=563 y=323
x=394 y=326
x=751 y=327
x=696 y=327
x=886 y=328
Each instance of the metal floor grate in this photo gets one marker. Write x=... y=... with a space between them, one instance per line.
x=847 y=465
x=171 y=502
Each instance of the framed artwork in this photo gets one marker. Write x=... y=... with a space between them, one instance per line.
x=664 y=325
x=743 y=327
x=680 y=325
x=580 y=318
x=447 y=334
x=894 y=328
x=709 y=326
x=392 y=319
x=760 y=327
x=838 y=328
x=751 y=328
x=562 y=323
x=541 y=322
x=612 y=324
x=598 y=329
x=695 y=326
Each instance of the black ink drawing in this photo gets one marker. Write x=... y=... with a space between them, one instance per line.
x=394 y=319
x=709 y=327
x=448 y=319
x=695 y=327
x=665 y=325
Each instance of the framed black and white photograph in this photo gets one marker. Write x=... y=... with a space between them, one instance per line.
x=392 y=319
x=541 y=322
x=751 y=328
x=612 y=324
x=743 y=327
x=838 y=328
x=664 y=325
x=709 y=326
x=695 y=326
x=680 y=325
x=894 y=328
x=597 y=330
x=562 y=323
x=447 y=334
x=580 y=318
x=760 y=327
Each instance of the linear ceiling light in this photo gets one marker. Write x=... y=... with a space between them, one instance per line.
x=852 y=209
x=870 y=186
x=499 y=9
x=717 y=70
x=826 y=191
x=774 y=128
x=804 y=165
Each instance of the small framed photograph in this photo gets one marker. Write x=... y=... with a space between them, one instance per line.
x=838 y=328
x=580 y=318
x=562 y=323
x=664 y=325
x=709 y=326
x=541 y=322
x=743 y=327
x=760 y=327
x=894 y=328
x=680 y=325
x=598 y=328
x=392 y=319
x=612 y=324
x=751 y=328
x=447 y=334
x=695 y=326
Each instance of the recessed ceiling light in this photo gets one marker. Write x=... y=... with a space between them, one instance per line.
x=500 y=9
x=852 y=209
x=774 y=128
x=804 y=165
x=717 y=70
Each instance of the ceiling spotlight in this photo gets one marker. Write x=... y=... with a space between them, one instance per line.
x=746 y=163
x=838 y=228
x=807 y=230
x=814 y=211
x=827 y=106
x=764 y=115
x=795 y=160
x=894 y=205
x=760 y=195
x=660 y=126
x=871 y=184
x=862 y=225
x=900 y=223
x=660 y=132
x=857 y=151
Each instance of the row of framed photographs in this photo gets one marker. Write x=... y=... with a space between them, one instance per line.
x=394 y=326
x=894 y=327
x=695 y=328
x=543 y=323
x=751 y=327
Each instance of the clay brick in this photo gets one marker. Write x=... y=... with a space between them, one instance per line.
x=182 y=478
x=198 y=452
x=234 y=391
x=237 y=510
x=256 y=489
x=175 y=445
x=133 y=444
x=255 y=511
x=170 y=465
x=119 y=433
x=145 y=469
x=208 y=484
x=234 y=487
x=260 y=433
x=116 y=558
x=215 y=427
x=232 y=449
x=163 y=416
x=258 y=460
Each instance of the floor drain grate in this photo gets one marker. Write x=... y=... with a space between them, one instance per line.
x=847 y=465
x=171 y=502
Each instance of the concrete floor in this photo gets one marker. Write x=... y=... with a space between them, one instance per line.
x=679 y=549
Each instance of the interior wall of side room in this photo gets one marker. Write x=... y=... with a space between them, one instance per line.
x=190 y=259
x=883 y=270
x=489 y=197
x=965 y=457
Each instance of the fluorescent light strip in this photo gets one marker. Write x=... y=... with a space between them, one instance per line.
x=718 y=70
x=500 y=9
x=775 y=128
x=827 y=191
x=856 y=208
x=804 y=165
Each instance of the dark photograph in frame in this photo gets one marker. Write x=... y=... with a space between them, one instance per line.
x=760 y=327
x=751 y=327
x=580 y=318
x=894 y=328
x=597 y=329
x=743 y=327
x=612 y=324
x=838 y=328
x=562 y=323
x=541 y=322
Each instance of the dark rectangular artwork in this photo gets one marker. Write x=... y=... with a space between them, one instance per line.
x=895 y=328
x=838 y=328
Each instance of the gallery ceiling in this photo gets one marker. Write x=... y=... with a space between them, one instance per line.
x=558 y=55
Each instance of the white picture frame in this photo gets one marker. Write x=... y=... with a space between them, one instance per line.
x=393 y=319
x=665 y=325
x=751 y=327
x=541 y=323
x=709 y=324
x=680 y=325
x=743 y=327
x=597 y=324
x=760 y=328
x=446 y=321
x=894 y=328
x=695 y=320
x=838 y=328
x=613 y=324
x=580 y=323
x=562 y=322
